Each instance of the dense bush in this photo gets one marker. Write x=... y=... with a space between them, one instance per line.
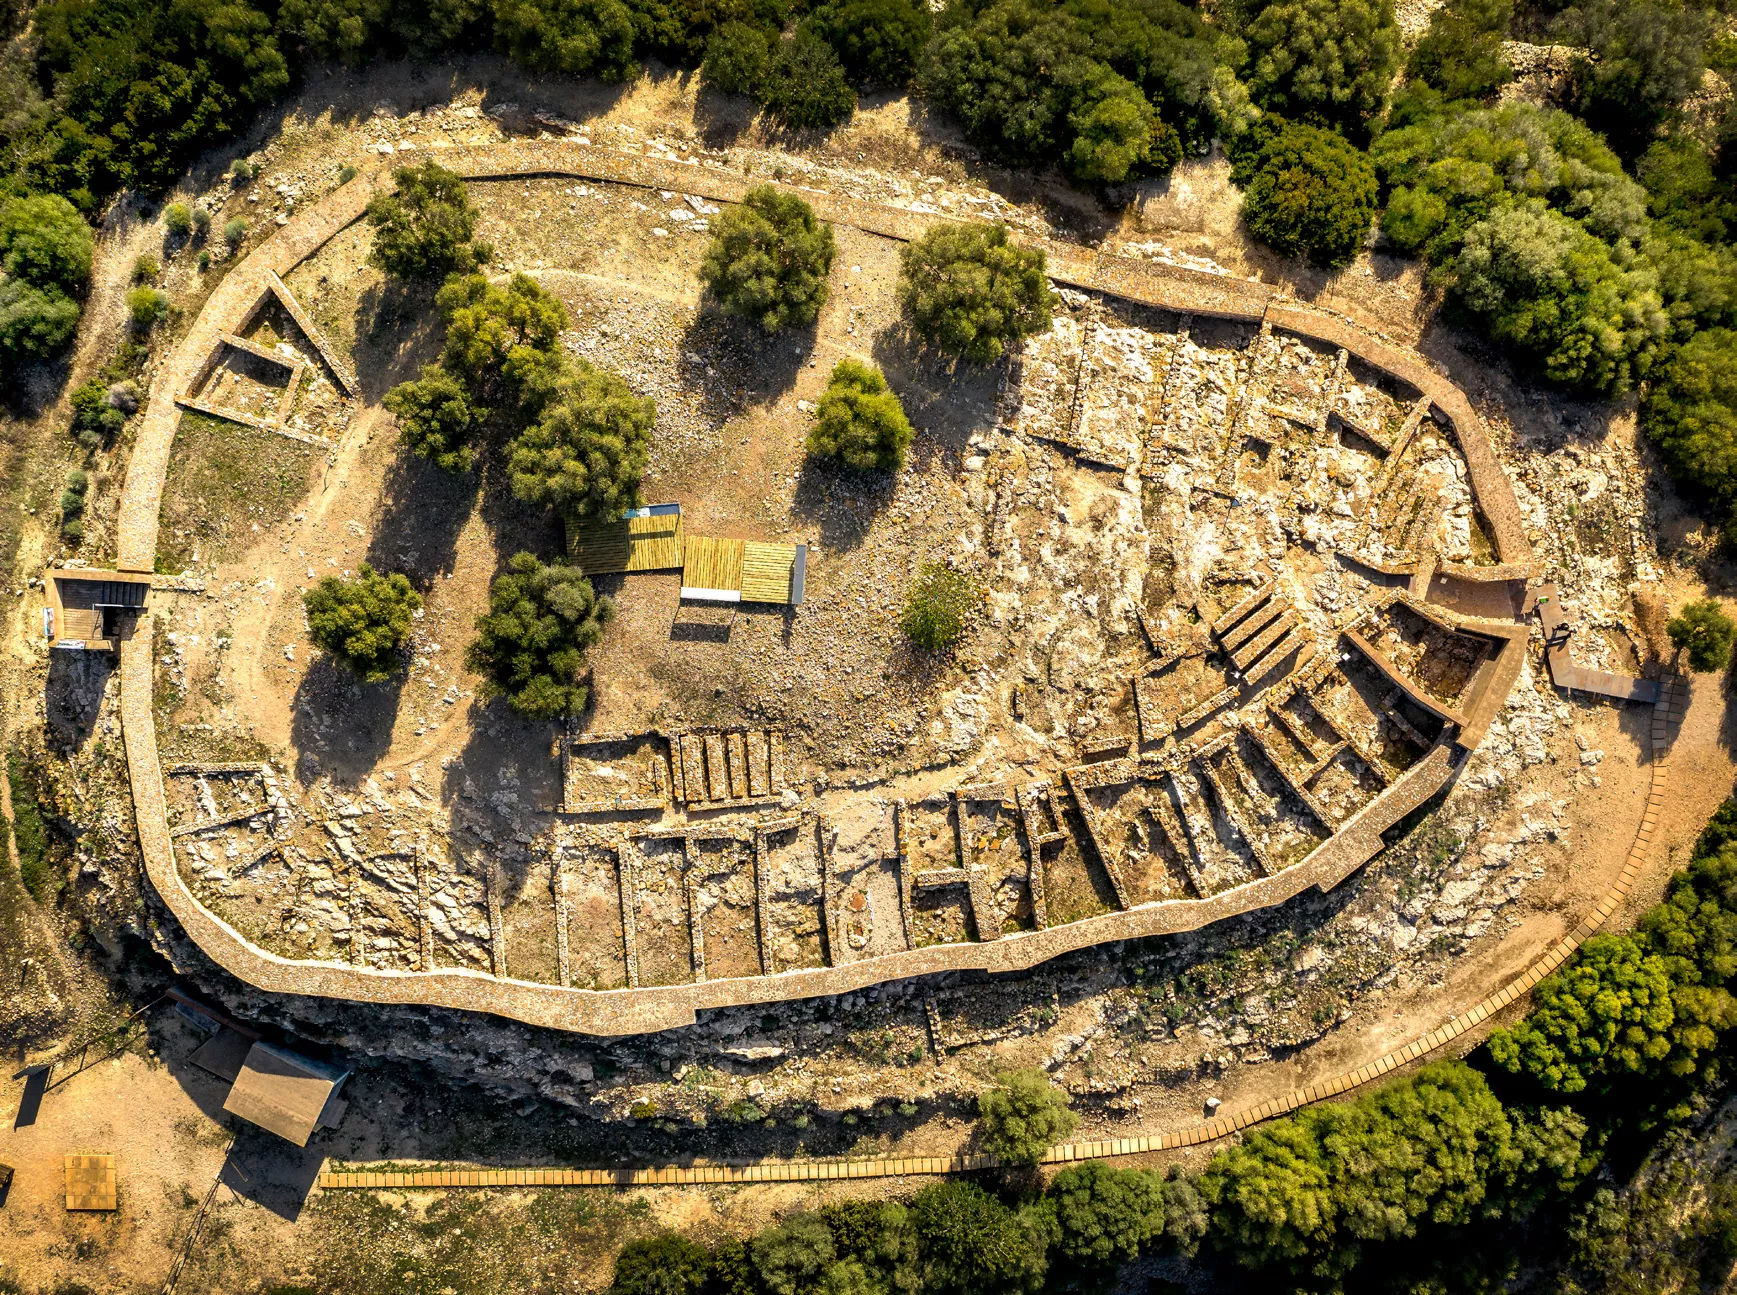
x=737 y=58
x=423 y=228
x=969 y=291
x=1690 y=413
x=1686 y=190
x=1310 y=193
x=145 y=306
x=859 y=421
x=936 y=607
x=877 y=41
x=531 y=644
x=437 y=419
x=72 y=500
x=1329 y=62
x=975 y=1244
x=1704 y=631
x=1024 y=1117
x=805 y=84
x=664 y=1264
x=1641 y=60
x=1461 y=54
x=680 y=31
x=579 y=37
x=30 y=834
x=769 y=259
x=364 y=622
x=1539 y=283
x=96 y=419
x=1026 y=78
x=1106 y=1215
x=587 y=451
x=145 y=87
x=45 y=256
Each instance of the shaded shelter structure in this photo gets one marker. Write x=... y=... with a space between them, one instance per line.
x=713 y=570
x=92 y=610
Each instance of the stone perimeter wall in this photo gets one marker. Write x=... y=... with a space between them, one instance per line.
x=632 y=1011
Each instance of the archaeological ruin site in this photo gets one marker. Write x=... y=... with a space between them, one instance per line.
x=1255 y=588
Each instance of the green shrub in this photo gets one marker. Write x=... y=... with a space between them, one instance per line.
x=178 y=220
x=1540 y=284
x=877 y=41
x=1704 y=631
x=936 y=607
x=1461 y=53
x=973 y=1244
x=146 y=306
x=346 y=174
x=587 y=451
x=72 y=497
x=95 y=418
x=201 y=221
x=737 y=58
x=859 y=421
x=234 y=230
x=1325 y=61
x=437 y=419
x=531 y=643
x=805 y=85
x=969 y=291
x=30 y=833
x=423 y=228
x=769 y=259
x=578 y=37
x=35 y=323
x=1686 y=190
x=1024 y=1117
x=1312 y=194
x=1107 y=1215
x=146 y=267
x=45 y=242
x=1642 y=59
x=364 y=623
x=340 y=29
x=1026 y=78
x=242 y=171
x=791 y=1258
x=1690 y=413
x=664 y=1264
x=203 y=260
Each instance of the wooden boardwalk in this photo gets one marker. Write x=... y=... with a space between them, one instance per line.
x=651 y=543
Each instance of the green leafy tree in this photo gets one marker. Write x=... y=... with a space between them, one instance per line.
x=936 y=607
x=791 y=1257
x=1690 y=413
x=1606 y=1015
x=969 y=291
x=531 y=644
x=1327 y=61
x=880 y=1236
x=586 y=453
x=363 y=622
x=341 y=29
x=737 y=58
x=859 y=421
x=35 y=323
x=1642 y=60
x=423 y=228
x=437 y=419
x=1461 y=53
x=805 y=85
x=973 y=1244
x=1704 y=631
x=1312 y=194
x=579 y=37
x=1027 y=79
x=1541 y=284
x=46 y=243
x=769 y=259
x=1271 y=1197
x=1023 y=1117
x=1107 y=1215
x=664 y=1264
x=1685 y=188
x=499 y=339
x=680 y=31
x=877 y=41
x=1186 y=1216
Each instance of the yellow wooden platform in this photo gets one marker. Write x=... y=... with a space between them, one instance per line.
x=90 y=1182
x=767 y=570
x=636 y=544
x=711 y=564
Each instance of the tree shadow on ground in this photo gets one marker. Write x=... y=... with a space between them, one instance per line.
x=73 y=694
x=424 y=510
x=740 y=365
x=342 y=728
x=398 y=330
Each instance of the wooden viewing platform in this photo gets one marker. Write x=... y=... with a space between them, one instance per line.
x=713 y=570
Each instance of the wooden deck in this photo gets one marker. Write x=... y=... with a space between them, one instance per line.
x=652 y=543
x=713 y=568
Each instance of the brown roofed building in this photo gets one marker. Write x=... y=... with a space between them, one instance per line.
x=92 y=610
x=288 y=1093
